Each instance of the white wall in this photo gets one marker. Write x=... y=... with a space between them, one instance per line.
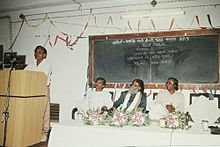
x=70 y=66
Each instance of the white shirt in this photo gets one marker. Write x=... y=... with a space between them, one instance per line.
x=176 y=99
x=95 y=99
x=158 y=109
x=44 y=66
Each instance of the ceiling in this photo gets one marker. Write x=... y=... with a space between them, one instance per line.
x=13 y=5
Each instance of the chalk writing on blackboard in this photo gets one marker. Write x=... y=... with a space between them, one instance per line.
x=191 y=58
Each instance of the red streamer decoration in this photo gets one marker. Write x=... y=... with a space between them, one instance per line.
x=194 y=90
x=197 y=20
x=205 y=89
x=210 y=22
x=66 y=40
x=149 y=93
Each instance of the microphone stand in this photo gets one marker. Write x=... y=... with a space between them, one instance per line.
x=5 y=114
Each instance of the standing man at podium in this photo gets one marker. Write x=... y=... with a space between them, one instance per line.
x=41 y=64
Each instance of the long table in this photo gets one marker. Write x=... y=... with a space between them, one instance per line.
x=77 y=134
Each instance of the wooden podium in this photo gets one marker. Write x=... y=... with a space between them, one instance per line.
x=26 y=106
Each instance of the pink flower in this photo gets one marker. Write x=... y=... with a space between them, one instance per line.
x=138 y=118
x=95 y=118
x=172 y=121
x=119 y=119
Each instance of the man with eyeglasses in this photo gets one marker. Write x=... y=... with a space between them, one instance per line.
x=167 y=100
x=133 y=98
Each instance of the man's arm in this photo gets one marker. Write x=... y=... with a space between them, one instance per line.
x=143 y=103
x=120 y=100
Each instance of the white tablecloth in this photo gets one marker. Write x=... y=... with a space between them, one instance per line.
x=77 y=134
x=195 y=136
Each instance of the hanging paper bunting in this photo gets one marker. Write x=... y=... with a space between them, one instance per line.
x=152 y=23
x=139 y=23
x=49 y=41
x=149 y=93
x=22 y=23
x=171 y=24
x=44 y=19
x=80 y=36
x=205 y=89
x=67 y=39
x=197 y=20
x=194 y=89
x=210 y=22
x=56 y=39
x=95 y=20
x=129 y=26
x=110 y=20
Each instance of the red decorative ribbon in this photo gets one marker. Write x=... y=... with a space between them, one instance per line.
x=205 y=89
x=194 y=89
x=149 y=93
x=66 y=39
x=197 y=20
x=210 y=22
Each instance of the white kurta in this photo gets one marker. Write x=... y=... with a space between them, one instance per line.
x=176 y=99
x=44 y=66
x=95 y=100
x=158 y=109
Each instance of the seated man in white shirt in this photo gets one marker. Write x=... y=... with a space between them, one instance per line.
x=97 y=98
x=167 y=101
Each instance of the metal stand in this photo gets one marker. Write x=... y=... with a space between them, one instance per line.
x=5 y=114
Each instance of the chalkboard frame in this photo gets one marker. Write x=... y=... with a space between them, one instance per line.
x=94 y=38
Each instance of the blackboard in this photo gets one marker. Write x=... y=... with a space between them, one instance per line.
x=191 y=58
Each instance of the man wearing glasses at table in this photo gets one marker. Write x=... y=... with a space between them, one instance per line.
x=133 y=98
x=167 y=100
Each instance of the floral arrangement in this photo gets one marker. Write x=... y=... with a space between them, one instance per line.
x=175 y=120
x=93 y=117
x=138 y=118
x=115 y=118
x=118 y=119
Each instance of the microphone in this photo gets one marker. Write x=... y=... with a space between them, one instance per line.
x=13 y=62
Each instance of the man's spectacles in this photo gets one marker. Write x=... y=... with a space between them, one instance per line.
x=169 y=83
x=135 y=85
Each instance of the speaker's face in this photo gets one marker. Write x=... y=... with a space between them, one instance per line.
x=170 y=85
x=39 y=54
